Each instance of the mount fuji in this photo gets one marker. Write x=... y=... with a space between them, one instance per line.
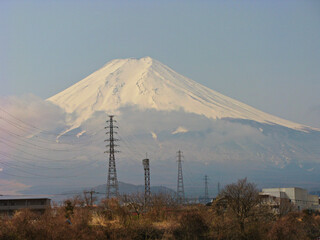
x=148 y=84
x=160 y=111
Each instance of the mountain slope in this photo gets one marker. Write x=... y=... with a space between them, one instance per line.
x=149 y=84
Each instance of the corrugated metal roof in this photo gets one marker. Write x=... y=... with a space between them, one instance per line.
x=17 y=197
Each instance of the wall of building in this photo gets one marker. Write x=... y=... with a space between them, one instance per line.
x=10 y=205
x=298 y=196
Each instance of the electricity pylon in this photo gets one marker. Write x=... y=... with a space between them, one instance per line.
x=180 y=187
x=112 y=181
x=147 y=192
x=206 y=193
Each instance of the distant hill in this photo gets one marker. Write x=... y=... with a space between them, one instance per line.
x=127 y=188
x=124 y=188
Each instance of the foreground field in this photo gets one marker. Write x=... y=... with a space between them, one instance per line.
x=237 y=214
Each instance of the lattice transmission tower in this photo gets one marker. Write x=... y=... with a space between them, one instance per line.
x=206 y=193
x=147 y=192
x=180 y=187
x=112 y=181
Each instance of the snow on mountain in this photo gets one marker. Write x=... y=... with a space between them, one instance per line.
x=148 y=84
x=180 y=130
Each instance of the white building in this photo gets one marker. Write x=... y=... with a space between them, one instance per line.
x=298 y=196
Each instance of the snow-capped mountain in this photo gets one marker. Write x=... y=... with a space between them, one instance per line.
x=160 y=111
x=148 y=84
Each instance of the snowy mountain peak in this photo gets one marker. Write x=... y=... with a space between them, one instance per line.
x=148 y=84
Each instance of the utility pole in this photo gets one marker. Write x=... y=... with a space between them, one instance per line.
x=112 y=181
x=180 y=187
x=147 y=192
x=206 y=194
x=91 y=198
x=218 y=188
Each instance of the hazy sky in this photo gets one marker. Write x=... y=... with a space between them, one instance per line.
x=263 y=53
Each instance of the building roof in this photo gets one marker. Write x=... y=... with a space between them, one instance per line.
x=283 y=188
x=22 y=197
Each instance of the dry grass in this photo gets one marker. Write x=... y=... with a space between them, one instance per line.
x=111 y=220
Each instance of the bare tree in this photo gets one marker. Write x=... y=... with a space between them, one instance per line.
x=285 y=206
x=134 y=202
x=241 y=199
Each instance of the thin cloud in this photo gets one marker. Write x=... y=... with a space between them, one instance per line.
x=29 y=113
x=11 y=187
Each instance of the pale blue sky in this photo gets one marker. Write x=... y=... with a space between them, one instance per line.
x=263 y=53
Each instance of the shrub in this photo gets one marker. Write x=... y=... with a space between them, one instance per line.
x=192 y=226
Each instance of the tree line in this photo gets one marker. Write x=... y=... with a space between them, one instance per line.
x=236 y=214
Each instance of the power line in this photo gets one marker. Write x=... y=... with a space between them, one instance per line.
x=29 y=125
x=37 y=165
x=38 y=156
x=129 y=145
x=27 y=141
x=43 y=140
x=35 y=175
x=35 y=146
